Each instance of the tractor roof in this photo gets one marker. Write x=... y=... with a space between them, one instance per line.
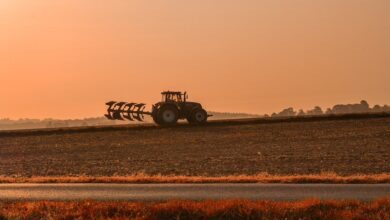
x=171 y=92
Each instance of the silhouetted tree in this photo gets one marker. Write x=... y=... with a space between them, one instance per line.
x=377 y=108
x=301 y=112
x=362 y=107
x=316 y=111
x=287 y=112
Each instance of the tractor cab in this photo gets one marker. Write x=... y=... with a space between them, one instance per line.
x=178 y=97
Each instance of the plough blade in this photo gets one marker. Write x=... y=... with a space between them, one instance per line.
x=110 y=105
x=117 y=111
x=138 y=115
x=124 y=110
x=127 y=111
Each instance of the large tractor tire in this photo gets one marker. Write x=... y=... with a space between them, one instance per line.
x=167 y=115
x=156 y=119
x=198 y=116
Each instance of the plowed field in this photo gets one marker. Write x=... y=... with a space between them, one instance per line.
x=350 y=146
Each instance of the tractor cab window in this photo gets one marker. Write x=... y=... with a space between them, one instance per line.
x=172 y=98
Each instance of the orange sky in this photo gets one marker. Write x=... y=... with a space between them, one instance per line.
x=65 y=59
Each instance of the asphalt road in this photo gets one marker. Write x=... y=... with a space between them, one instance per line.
x=158 y=192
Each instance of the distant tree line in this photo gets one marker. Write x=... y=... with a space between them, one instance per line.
x=362 y=107
x=26 y=123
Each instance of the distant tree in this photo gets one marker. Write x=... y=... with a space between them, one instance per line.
x=364 y=103
x=316 y=111
x=301 y=112
x=287 y=112
x=5 y=120
x=376 y=108
x=364 y=106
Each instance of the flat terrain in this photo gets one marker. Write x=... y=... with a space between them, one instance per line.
x=348 y=146
x=163 y=192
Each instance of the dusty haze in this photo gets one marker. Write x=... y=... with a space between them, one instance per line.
x=64 y=59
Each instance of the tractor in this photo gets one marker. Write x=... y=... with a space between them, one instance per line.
x=168 y=111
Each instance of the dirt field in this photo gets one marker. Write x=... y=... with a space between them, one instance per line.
x=346 y=147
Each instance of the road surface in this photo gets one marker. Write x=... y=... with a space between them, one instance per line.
x=159 y=192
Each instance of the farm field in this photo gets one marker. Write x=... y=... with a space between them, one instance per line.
x=345 y=147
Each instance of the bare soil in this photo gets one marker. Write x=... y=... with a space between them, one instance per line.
x=346 y=147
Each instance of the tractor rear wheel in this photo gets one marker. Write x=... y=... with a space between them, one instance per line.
x=199 y=116
x=155 y=119
x=167 y=115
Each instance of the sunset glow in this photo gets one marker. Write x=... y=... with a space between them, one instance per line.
x=65 y=59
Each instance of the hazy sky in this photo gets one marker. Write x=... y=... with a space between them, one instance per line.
x=65 y=59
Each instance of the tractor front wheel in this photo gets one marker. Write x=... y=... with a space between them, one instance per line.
x=167 y=115
x=199 y=116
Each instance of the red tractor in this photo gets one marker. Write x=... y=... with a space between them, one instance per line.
x=173 y=106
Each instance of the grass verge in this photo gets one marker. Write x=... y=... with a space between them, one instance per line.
x=221 y=209
x=260 y=178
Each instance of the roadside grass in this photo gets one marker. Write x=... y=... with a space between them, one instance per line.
x=328 y=177
x=218 y=209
